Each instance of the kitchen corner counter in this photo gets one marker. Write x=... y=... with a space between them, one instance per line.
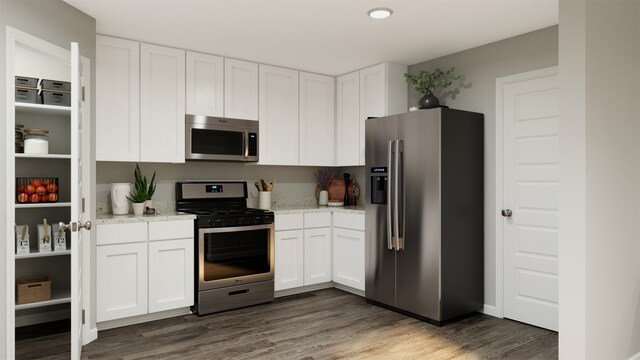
x=279 y=210
x=123 y=219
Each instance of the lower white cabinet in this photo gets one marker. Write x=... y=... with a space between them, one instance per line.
x=143 y=268
x=171 y=274
x=348 y=250
x=317 y=255
x=121 y=270
x=289 y=252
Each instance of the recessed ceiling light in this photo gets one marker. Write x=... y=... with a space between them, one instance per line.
x=380 y=13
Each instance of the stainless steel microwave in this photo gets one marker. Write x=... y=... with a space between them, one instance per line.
x=212 y=138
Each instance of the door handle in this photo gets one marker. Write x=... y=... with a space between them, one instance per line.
x=74 y=226
x=399 y=200
x=245 y=144
x=390 y=238
x=86 y=225
x=507 y=213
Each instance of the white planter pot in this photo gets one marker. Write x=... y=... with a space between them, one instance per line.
x=323 y=197
x=138 y=208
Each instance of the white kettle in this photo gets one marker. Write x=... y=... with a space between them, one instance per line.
x=119 y=202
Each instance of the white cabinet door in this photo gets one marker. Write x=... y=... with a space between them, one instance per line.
x=162 y=104
x=317 y=255
x=278 y=116
x=205 y=84
x=121 y=280
x=117 y=99
x=240 y=89
x=170 y=274
x=348 y=258
x=316 y=119
x=348 y=134
x=289 y=268
x=373 y=98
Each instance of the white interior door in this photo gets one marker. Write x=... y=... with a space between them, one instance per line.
x=77 y=251
x=530 y=198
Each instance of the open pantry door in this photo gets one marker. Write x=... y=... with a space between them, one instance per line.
x=77 y=221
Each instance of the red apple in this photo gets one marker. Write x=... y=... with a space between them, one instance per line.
x=36 y=182
x=41 y=190
x=34 y=198
x=52 y=188
x=52 y=197
x=23 y=197
x=31 y=189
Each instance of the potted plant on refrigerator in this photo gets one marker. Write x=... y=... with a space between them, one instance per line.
x=428 y=82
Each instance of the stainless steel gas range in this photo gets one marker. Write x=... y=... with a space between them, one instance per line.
x=235 y=245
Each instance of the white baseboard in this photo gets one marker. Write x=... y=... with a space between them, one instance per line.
x=303 y=289
x=105 y=325
x=349 y=289
x=89 y=336
x=635 y=357
x=492 y=311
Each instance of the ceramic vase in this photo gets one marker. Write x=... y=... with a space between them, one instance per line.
x=138 y=208
x=428 y=101
x=323 y=197
x=264 y=200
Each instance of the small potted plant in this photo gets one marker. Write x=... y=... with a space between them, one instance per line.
x=428 y=82
x=323 y=178
x=142 y=191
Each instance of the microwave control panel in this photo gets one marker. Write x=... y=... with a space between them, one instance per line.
x=253 y=144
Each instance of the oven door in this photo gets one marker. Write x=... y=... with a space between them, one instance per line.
x=235 y=255
x=208 y=138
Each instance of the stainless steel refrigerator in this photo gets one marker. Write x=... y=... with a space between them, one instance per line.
x=424 y=213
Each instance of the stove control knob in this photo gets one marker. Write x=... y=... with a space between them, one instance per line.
x=217 y=222
x=258 y=220
x=211 y=223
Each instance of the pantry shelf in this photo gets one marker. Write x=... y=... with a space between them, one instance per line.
x=42 y=109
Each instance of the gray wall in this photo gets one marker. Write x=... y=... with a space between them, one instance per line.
x=599 y=178
x=480 y=67
x=57 y=23
x=295 y=185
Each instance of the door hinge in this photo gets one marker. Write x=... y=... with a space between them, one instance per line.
x=82 y=204
x=83 y=93
x=82 y=316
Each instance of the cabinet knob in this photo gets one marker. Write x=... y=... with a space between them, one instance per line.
x=507 y=213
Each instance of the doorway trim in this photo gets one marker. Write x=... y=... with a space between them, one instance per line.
x=501 y=83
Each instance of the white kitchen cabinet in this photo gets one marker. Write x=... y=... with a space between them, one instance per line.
x=121 y=278
x=162 y=104
x=316 y=120
x=143 y=268
x=289 y=253
x=205 y=84
x=348 y=250
x=117 y=99
x=347 y=146
x=278 y=110
x=240 y=89
x=381 y=91
x=317 y=248
x=171 y=272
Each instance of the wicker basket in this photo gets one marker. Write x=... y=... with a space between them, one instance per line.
x=33 y=290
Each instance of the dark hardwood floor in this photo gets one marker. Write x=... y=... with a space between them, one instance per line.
x=326 y=324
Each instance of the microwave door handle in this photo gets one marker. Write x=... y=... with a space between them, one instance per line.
x=245 y=143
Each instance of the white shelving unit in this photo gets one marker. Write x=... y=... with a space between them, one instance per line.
x=43 y=254
x=57 y=297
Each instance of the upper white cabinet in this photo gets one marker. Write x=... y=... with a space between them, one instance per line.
x=382 y=91
x=117 y=99
x=240 y=89
x=278 y=110
x=162 y=103
x=348 y=120
x=205 y=84
x=140 y=104
x=317 y=108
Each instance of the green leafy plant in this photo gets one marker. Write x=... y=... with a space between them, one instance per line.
x=427 y=82
x=142 y=190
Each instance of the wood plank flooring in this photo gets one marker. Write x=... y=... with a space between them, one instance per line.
x=325 y=324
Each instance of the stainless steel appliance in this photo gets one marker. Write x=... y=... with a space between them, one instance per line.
x=235 y=245
x=212 y=138
x=424 y=213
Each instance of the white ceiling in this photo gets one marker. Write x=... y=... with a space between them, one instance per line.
x=330 y=37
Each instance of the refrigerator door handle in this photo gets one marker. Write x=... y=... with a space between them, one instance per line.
x=399 y=195
x=390 y=235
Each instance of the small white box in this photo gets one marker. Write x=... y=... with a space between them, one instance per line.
x=44 y=238
x=59 y=239
x=22 y=239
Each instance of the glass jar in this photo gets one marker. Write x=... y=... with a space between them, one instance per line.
x=36 y=141
x=19 y=139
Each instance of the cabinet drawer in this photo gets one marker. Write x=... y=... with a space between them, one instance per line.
x=349 y=221
x=315 y=220
x=108 y=234
x=167 y=230
x=288 y=222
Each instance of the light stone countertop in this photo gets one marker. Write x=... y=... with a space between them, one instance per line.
x=280 y=210
x=123 y=219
